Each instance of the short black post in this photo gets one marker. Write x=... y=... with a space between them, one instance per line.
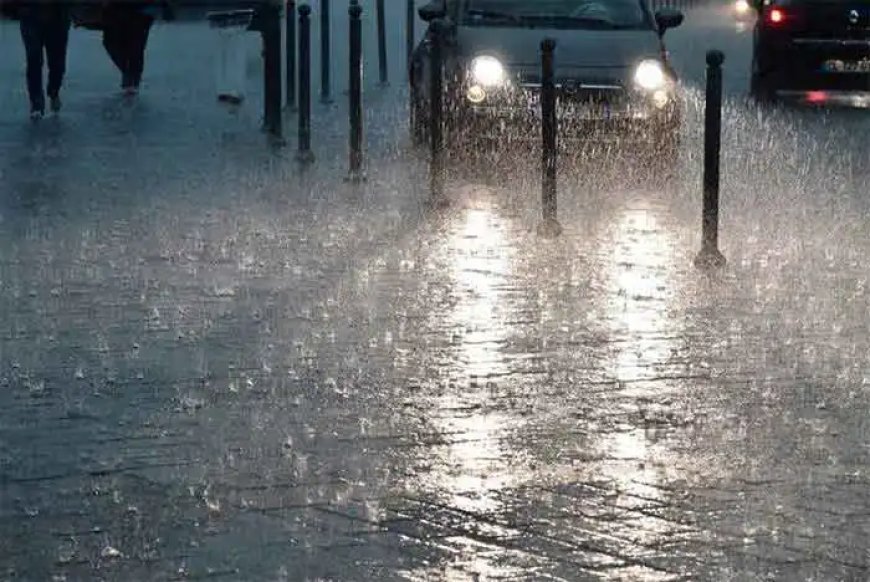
x=325 y=53
x=382 y=44
x=710 y=255
x=304 y=153
x=410 y=18
x=272 y=68
x=355 y=85
x=290 y=26
x=436 y=113
x=549 y=133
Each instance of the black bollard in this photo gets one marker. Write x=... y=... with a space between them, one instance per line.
x=272 y=68
x=436 y=113
x=290 y=25
x=355 y=84
x=409 y=35
x=382 y=44
x=325 y=54
x=710 y=255
x=549 y=133
x=304 y=153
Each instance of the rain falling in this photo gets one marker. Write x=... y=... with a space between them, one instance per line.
x=221 y=359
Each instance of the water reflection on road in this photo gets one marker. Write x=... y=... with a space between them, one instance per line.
x=543 y=467
x=476 y=464
x=641 y=278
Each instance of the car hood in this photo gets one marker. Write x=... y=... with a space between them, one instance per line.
x=599 y=53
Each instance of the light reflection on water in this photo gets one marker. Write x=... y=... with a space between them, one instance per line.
x=476 y=464
x=478 y=266
x=478 y=469
x=640 y=271
x=641 y=274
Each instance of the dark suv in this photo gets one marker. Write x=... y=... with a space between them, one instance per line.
x=807 y=45
x=613 y=77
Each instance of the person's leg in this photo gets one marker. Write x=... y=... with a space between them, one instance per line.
x=139 y=30
x=114 y=39
x=56 y=41
x=31 y=34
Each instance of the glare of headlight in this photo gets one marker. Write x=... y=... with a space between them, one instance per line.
x=487 y=71
x=741 y=6
x=650 y=75
x=661 y=98
x=476 y=94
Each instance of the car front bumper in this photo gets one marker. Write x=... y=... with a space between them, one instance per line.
x=599 y=123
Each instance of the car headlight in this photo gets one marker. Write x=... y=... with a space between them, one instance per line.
x=741 y=7
x=487 y=71
x=650 y=75
x=476 y=94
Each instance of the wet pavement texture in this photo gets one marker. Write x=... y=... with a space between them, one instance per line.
x=216 y=366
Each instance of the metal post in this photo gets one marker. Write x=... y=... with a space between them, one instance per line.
x=382 y=44
x=325 y=53
x=272 y=68
x=549 y=132
x=304 y=154
x=710 y=255
x=355 y=85
x=436 y=113
x=410 y=18
x=290 y=25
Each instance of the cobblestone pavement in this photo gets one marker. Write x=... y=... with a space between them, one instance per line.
x=216 y=366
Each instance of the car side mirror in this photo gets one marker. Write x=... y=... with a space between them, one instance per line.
x=433 y=10
x=667 y=18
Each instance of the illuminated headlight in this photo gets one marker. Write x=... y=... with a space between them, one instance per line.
x=650 y=76
x=476 y=94
x=487 y=71
x=741 y=7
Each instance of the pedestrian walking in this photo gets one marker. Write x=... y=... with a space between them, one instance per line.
x=126 y=26
x=45 y=28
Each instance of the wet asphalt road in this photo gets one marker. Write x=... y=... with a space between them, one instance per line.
x=214 y=366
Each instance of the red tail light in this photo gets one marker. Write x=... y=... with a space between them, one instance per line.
x=817 y=97
x=776 y=16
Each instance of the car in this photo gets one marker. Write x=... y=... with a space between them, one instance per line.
x=614 y=80
x=810 y=46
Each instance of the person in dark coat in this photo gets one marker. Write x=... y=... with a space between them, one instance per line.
x=126 y=26
x=45 y=28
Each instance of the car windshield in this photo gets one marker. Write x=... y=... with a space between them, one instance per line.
x=606 y=14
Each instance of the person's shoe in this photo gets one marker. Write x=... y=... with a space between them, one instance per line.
x=36 y=114
x=55 y=104
x=130 y=91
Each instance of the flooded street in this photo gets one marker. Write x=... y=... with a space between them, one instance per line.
x=216 y=366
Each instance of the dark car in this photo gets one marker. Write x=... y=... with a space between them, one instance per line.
x=809 y=45
x=613 y=78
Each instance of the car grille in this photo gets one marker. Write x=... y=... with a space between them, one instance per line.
x=577 y=101
x=576 y=96
x=598 y=99
x=589 y=90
